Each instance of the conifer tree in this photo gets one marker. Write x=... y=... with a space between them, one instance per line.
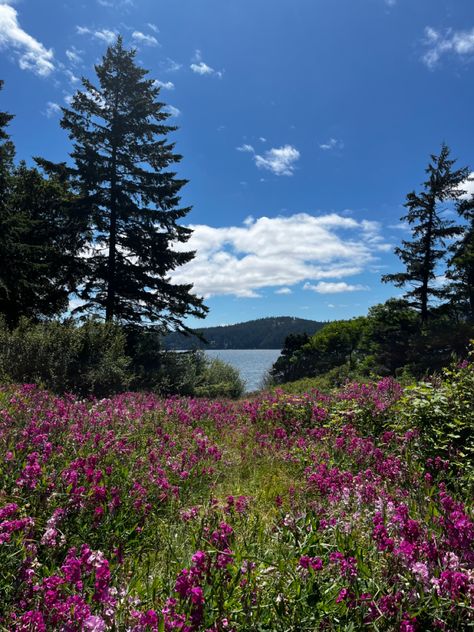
x=461 y=263
x=430 y=231
x=39 y=238
x=123 y=175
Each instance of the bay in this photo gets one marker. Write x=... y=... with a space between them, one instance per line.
x=252 y=364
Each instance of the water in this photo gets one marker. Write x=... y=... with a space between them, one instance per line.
x=252 y=364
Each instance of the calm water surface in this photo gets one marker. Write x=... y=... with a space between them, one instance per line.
x=252 y=364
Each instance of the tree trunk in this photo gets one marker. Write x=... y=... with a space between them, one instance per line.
x=111 y=272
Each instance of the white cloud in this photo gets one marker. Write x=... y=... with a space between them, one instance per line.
x=74 y=55
x=199 y=67
x=324 y=287
x=332 y=143
x=146 y=40
x=116 y=4
x=468 y=187
x=170 y=65
x=390 y=3
x=284 y=291
x=460 y=43
x=104 y=35
x=276 y=252
x=166 y=85
x=279 y=160
x=172 y=110
x=52 y=109
x=246 y=148
x=72 y=78
x=31 y=54
x=153 y=27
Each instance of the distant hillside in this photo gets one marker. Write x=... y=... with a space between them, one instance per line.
x=265 y=333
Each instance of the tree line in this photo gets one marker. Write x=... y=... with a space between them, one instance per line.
x=434 y=319
x=101 y=226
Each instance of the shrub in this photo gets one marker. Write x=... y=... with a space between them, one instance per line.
x=219 y=379
x=442 y=410
x=88 y=360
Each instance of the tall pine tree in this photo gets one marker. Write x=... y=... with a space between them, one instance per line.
x=124 y=179
x=430 y=230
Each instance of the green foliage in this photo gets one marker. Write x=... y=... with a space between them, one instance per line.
x=219 y=379
x=100 y=359
x=461 y=263
x=389 y=333
x=263 y=333
x=442 y=410
x=430 y=231
x=41 y=240
x=87 y=360
x=123 y=176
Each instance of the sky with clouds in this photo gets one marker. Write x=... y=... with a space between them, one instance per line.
x=303 y=124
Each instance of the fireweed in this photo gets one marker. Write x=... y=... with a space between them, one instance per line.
x=281 y=512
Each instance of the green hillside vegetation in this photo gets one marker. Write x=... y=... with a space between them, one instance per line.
x=264 y=333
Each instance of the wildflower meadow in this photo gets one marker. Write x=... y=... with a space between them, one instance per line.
x=278 y=512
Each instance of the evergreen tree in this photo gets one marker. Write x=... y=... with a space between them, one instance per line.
x=7 y=154
x=430 y=231
x=39 y=238
x=461 y=263
x=121 y=173
x=39 y=245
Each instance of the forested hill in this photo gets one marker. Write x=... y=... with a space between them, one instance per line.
x=265 y=333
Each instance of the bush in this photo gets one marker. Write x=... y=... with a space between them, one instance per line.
x=62 y=357
x=442 y=410
x=219 y=379
x=101 y=359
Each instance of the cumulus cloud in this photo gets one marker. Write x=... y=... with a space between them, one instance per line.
x=31 y=54
x=325 y=287
x=166 y=85
x=144 y=39
x=199 y=67
x=332 y=143
x=437 y=43
x=277 y=253
x=279 y=160
x=104 y=35
x=468 y=187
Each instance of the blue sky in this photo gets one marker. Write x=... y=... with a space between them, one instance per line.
x=303 y=125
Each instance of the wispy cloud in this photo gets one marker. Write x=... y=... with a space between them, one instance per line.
x=325 y=287
x=166 y=85
x=278 y=253
x=279 y=160
x=284 y=291
x=144 y=39
x=52 y=109
x=116 y=4
x=171 y=109
x=199 y=67
x=74 y=55
x=332 y=144
x=104 y=35
x=438 y=44
x=246 y=148
x=31 y=54
x=170 y=65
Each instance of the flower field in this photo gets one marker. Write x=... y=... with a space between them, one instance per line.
x=283 y=512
